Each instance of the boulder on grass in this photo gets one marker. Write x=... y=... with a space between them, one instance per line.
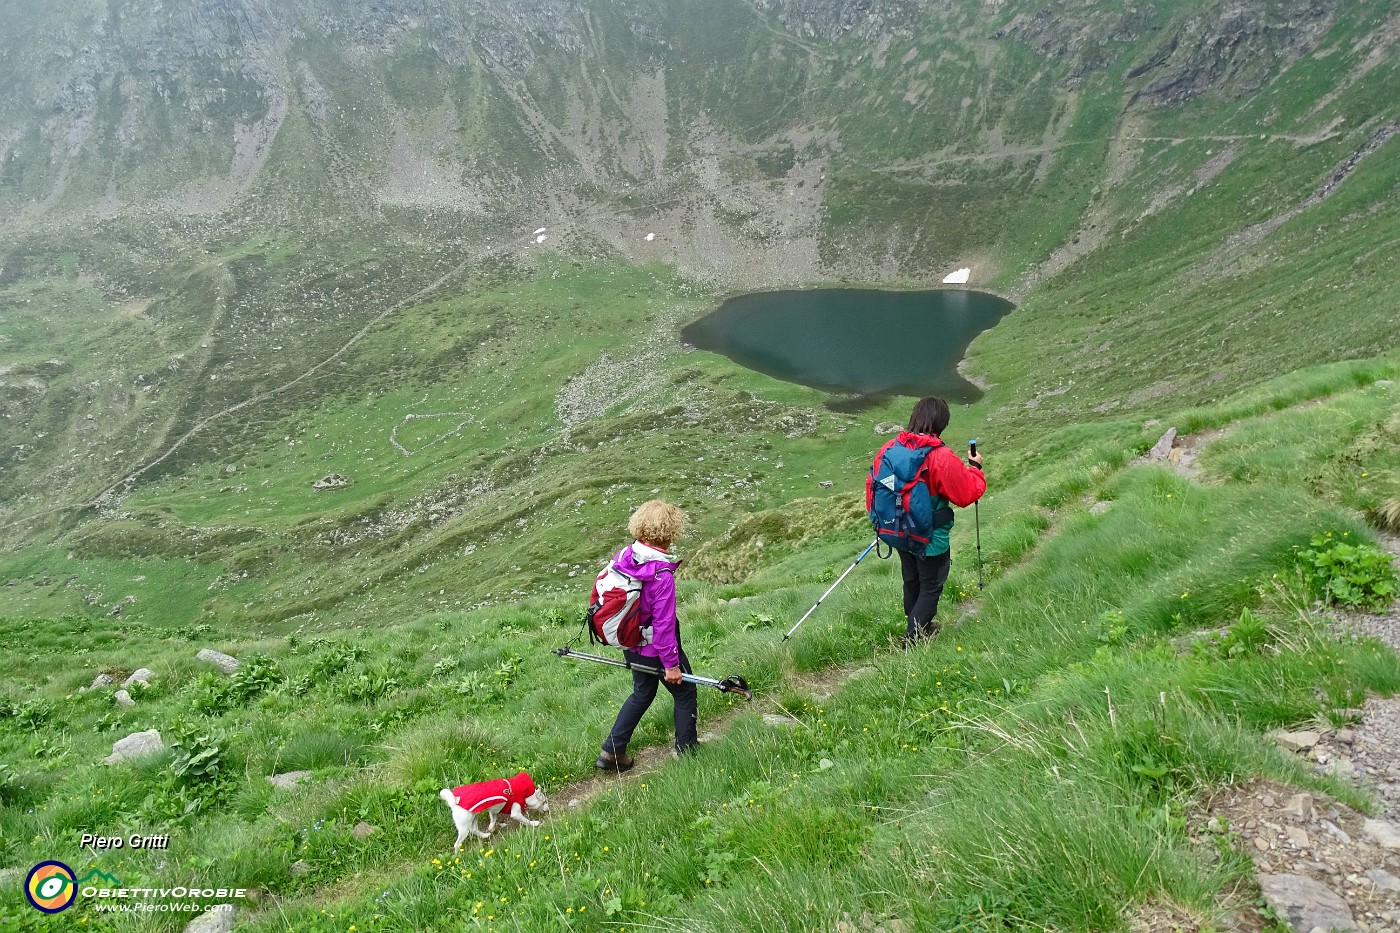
x=217 y=919
x=220 y=660
x=288 y=780
x=140 y=676
x=135 y=746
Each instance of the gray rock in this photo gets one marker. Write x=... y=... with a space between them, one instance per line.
x=363 y=829
x=217 y=658
x=11 y=877
x=1163 y=448
x=1342 y=768
x=888 y=427
x=1306 y=904
x=288 y=779
x=1384 y=880
x=1300 y=805
x=1386 y=834
x=134 y=746
x=1341 y=834
x=299 y=867
x=217 y=919
x=778 y=719
x=141 y=676
x=330 y=481
x=124 y=699
x=1297 y=741
x=101 y=680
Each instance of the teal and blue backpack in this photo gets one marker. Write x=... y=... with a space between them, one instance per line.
x=903 y=512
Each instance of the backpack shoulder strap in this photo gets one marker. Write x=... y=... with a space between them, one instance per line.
x=942 y=513
x=879 y=454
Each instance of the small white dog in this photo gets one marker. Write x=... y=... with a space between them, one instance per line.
x=514 y=795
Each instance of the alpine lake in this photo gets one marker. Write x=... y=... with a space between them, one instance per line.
x=866 y=343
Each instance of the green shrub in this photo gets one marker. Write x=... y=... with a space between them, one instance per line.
x=367 y=685
x=214 y=694
x=28 y=715
x=9 y=785
x=196 y=756
x=1358 y=576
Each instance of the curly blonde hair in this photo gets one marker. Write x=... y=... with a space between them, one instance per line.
x=656 y=522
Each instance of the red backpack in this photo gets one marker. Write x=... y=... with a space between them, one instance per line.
x=615 y=611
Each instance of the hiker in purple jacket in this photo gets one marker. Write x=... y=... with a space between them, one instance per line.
x=655 y=525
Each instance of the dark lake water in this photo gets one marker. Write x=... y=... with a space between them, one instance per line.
x=861 y=341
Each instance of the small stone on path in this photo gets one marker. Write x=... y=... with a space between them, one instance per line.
x=1297 y=741
x=1163 y=448
x=1300 y=805
x=1384 y=880
x=1306 y=904
x=1384 y=833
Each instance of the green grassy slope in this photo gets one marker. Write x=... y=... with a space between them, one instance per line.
x=912 y=772
x=242 y=249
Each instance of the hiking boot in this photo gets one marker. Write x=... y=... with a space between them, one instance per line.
x=617 y=764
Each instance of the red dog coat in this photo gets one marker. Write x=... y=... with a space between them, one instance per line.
x=480 y=797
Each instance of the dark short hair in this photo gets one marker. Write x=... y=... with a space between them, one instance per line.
x=930 y=416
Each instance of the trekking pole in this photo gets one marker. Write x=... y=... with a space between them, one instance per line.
x=832 y=587
x=977 y=520
x=731 y=684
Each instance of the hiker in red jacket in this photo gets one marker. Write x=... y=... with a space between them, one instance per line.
x=949 y=481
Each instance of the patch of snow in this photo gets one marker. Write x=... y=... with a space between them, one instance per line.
x=957 y=278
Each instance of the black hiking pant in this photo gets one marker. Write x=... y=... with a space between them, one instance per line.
x=683 y=695
x=923 y=585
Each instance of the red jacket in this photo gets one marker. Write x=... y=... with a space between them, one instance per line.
x=948 y=476
x=476 y=798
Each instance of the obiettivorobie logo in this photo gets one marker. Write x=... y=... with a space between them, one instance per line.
x=52 y=887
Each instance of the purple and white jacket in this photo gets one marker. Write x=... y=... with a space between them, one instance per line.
x=656 y=570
